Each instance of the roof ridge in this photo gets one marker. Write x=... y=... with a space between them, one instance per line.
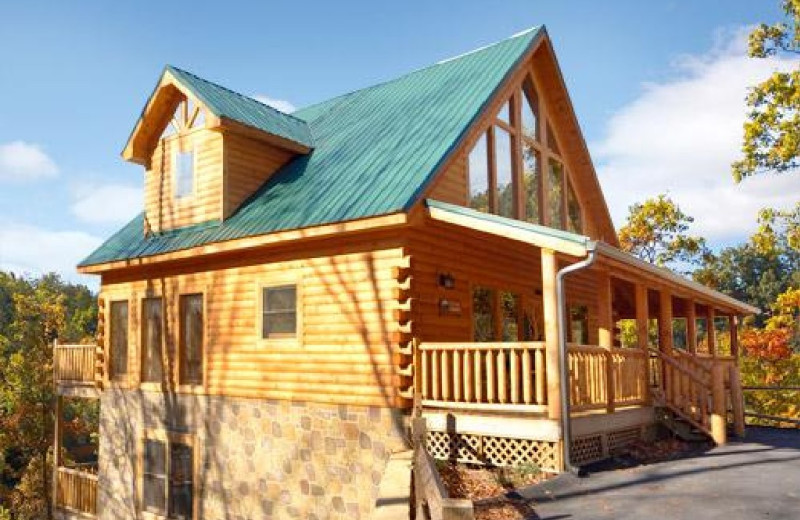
x=250 y=98
x=422 y=69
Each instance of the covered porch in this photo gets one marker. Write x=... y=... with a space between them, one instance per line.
x=635 y=339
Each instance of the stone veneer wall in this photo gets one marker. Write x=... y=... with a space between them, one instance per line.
x=257 y=458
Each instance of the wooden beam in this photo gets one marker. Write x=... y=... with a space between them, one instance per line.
x=691 y=326
x=551 y=334
x=733 y=321
x=605 y=331
x=643 y=331
x=665 y=339
x=711 y=331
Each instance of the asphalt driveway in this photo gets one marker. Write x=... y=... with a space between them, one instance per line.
x=758 y=477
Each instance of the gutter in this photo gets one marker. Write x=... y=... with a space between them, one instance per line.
x=566 y=425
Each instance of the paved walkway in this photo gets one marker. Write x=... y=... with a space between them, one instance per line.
x=744 y=480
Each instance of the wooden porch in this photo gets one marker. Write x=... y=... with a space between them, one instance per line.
x=654 y=347
x=75 y=369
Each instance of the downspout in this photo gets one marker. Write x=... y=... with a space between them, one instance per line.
x=566 y=426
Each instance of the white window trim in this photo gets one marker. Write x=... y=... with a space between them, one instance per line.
x=272 y=282
x=178 y=149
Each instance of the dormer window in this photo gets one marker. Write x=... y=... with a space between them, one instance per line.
x=184 y=174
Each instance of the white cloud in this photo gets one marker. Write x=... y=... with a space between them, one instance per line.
x=681 y=135
x=21 y=161
x=107 y=204
x=281 y=104
x=30 y=250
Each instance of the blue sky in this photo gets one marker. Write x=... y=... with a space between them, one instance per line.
x=74 y=79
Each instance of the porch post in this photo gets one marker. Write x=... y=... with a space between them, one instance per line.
x=734 y=328
x=605 y=331
x=643 y=332
x=551 y=332
x=691 y=326
x=665 y=340
x=58 y=435
x=711 y=331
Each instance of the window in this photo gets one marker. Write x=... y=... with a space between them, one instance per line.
x=531 y=180
x=574 y=218
x=579 y=324
x=555 y=195
x=530 y=111
x=168 y=477
x=118 y=369
x=504 y=173
x=483 y=301
x=479 y=176
x=191 y=339
x=152 y=340
x=279 y=308
x=510 y=309
x=504 y=112
x=184 y=174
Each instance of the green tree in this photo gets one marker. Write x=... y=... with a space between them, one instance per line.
x=772 y=129
x=657 y=231
x=33 y=312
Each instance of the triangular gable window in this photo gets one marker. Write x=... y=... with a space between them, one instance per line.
x=187 y=116
x=516 y=169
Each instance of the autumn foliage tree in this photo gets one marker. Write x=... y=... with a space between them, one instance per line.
x=657 y=231
x=33 y=312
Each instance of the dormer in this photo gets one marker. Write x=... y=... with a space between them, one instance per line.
x=206 y=149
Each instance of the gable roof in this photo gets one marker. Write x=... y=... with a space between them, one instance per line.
x=223 y=102
x=375 y=151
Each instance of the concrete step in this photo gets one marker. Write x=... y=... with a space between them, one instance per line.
x=394 y=493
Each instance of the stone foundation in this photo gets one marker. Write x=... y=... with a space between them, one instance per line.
x=255 y=458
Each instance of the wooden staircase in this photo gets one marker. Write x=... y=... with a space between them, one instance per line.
x=692 y=395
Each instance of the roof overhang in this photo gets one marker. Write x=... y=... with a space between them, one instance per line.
x=539 y=236
x=575 y=245
x=248 y=244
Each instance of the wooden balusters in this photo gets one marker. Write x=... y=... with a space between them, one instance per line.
x=484 y=375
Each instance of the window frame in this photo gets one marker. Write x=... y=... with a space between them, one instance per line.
x=168 y=438
x=179 y=342
x=275 y=282
x=110 y=370
x=179 y=148
x=143 y=383
x=544 y=144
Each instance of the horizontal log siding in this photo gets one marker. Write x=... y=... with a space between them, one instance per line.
x=451 y=185
x=345 y=352
x=473 y=259
x=162 y=210
x=248 y=165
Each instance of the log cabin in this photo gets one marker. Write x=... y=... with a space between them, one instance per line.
x=299 y=285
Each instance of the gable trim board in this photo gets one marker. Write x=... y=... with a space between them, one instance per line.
x=227 y=110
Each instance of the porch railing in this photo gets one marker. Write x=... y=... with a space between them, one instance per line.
x=508 y=376
x=76 y=490
x=596 y=370
x=74 y=363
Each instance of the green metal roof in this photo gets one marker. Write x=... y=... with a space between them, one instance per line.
x=226 y=103
x=509 y=222
x=375 y=151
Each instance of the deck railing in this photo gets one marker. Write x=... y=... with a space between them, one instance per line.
x=74 y=363
x=594 y=370
x=76 y=490
x=508 y=375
